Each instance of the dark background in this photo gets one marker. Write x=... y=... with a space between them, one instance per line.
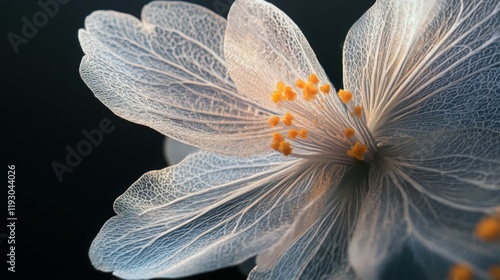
x=46 y=106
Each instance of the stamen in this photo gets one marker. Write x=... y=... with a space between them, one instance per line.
x=358 y=151
x=300 y=84
x=292 y=133
x=287 y=120
x=325 y=88
x=488 y=229
x=310 y=92
x=277 y=139
x=289 y=94
x=349 y=132
x=274 y=121
x=276 y=96
x=303 y=133
x=460 y=272
x=358 y=111
x=345 y=96
x=285 y=148
x=280 y=86
x=313 y=79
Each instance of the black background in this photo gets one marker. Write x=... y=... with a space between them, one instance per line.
x=46 y=107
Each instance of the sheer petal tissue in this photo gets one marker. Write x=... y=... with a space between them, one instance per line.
x=315 y=182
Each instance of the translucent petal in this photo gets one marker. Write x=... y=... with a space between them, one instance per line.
x=459 y=168
x=319 y=251
x=426 y=65
x=381 y=230
x=205 y=213
x=168 y=72
x=447 y=187
x=264 y=46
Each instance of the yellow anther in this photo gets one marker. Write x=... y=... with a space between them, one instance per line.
x=358 y=111
x=292 y=133
x=358 y=151
x=460 y=272
x=345 y=96
x=285 y=148
x=280 y=86
x=309 y=91
x=275 y=146
x=494 y=272
x=276 y=96
x=325 y=88
x=300 y=84
x=303 y=133
x=287 y=119
x=349 y=132
x=289 y=94
x=277 y=137
x=274 y=121
x=488 y=229
x=313 y=79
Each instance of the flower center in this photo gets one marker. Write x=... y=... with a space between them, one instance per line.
x=313 y=126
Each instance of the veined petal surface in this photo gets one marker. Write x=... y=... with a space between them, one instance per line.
x=264 y=46
x=319 y=251
x=207 y=212
x=168 y=72
x=448 y=185
x=381 y=229
x=426 y=65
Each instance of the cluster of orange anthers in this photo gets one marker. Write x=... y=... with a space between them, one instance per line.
x=309 y=89
x=487 y=230
x=358 y=150
x=279 y=143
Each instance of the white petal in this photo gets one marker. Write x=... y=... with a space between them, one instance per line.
x=426 y=65
x=168 y=72
x=381 y=231
x=447 y=188
x=264 y=46
x=205 y=213
x=459 y=168
x=315 y=247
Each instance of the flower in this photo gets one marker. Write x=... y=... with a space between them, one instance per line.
x=316 y=183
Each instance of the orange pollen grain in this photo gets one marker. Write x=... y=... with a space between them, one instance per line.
x=274 y=121
x=289 y=94
x=278 y=138
x=280 y=86
x=358 y=151
x=488 y=229
x=345 y=96
x=275 y=146
x=303 y=133
x=287 y=119
x=285 y=148
x=325 y=88
x=309 y=91
x=460 y=272
x=292 y=133
x=276 y=96
x=300 y=84
x=349 y=132
x=313 y=79
x=358 y=111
